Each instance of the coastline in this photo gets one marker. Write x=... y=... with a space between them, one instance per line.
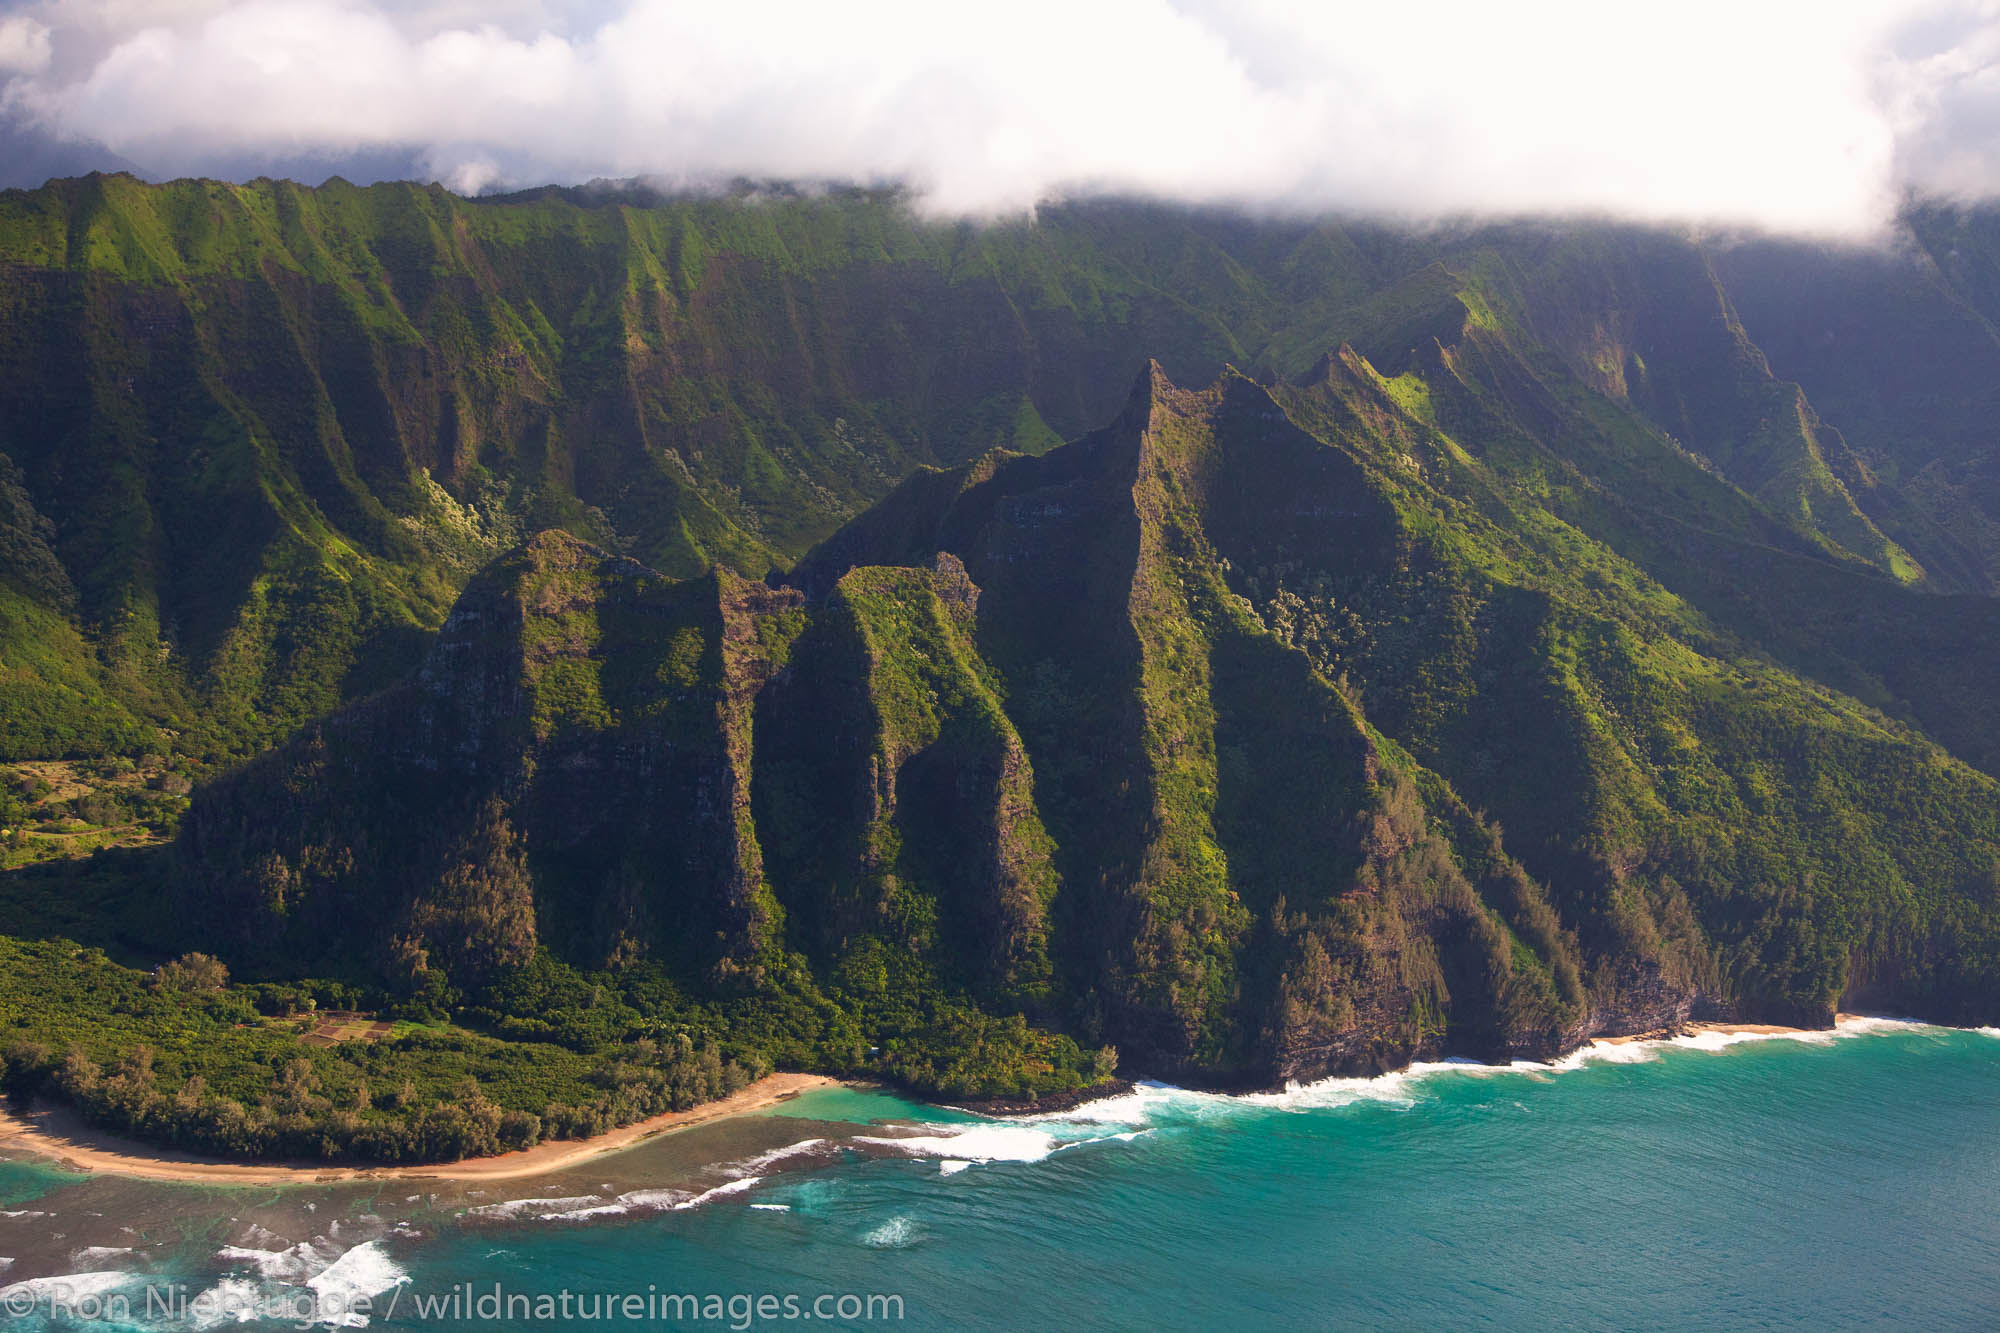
x=58 y=1134
x=1013 y=1108
x=1722 y=1029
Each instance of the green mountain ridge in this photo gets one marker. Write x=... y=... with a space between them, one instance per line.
x=598 y=611
x=1062 y=733
x=275 y=429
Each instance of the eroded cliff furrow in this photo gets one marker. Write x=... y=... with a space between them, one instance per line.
x=1243 y=735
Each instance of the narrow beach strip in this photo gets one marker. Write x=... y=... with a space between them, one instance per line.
x=57 y=1132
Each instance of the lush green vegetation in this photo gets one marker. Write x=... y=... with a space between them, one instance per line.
x=257 y=437
x=1713 y=831
x=177 y=1055
x=1514 y=654
x=180 y=1058
x=54 y=810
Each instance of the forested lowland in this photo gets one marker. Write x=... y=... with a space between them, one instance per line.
x=629 y=643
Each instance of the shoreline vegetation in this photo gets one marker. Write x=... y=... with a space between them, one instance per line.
x=57 y=1132
x=318 y=1071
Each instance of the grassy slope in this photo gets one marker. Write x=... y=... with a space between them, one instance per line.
x=280 y=425
x=1249 y=882
x=1709 y=823
x=1552 y=550
x=276 y=428
x=1687 y=800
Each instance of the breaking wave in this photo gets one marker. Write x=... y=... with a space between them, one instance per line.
x=1148 y=1103
x=979 y=1142
x=337 y=1276
x=634 y=1203
x=720 y=1192
x=71 y=1287
x=366 y=1270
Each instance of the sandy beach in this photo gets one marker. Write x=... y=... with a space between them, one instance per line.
x=1694 y=1029
x=57 y=1133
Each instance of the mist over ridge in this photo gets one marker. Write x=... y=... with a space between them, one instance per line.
x=1817 y=120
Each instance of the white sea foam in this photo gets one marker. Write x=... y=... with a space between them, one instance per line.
x=72 y=1287
x=1715 y=1039
x=959 y=1146
x=262 y=1238
x=638 y=1201
x=1722 y=1040
x=585 y=1214
x=21 y=1213
x=585 y=1207
x=719 y=1192
x=747 y=1172
x=580 y=1207
x=1595 y=1053
x=1642 y=1050
x=98 y=1255
x=1147 y=1104
x=230 y=1301
x=753 y=1166
x=1861 y=1025
x=772 y=1207
x=652 y=1199
x=1327 y=1093
x=1127 y=1108
x=1124 y=1137
x=366 y=1270
x=287 y=1265
x=336 y=1276
x=895 y=1234
x=535 y=1208
x=1146 y=1101
x=979 y=1142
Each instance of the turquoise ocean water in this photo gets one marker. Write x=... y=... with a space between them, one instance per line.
x=1847 y=1181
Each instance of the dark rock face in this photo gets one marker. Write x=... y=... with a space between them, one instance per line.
x=1645 y=1001
x=1168 y=738
x=536 y=733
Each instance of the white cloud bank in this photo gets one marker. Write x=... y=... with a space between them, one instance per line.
x=1812 y=117
x=24 y=45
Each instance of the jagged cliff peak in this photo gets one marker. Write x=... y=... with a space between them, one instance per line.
x=1177 y=738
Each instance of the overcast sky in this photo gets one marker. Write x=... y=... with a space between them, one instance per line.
x=1812 y=117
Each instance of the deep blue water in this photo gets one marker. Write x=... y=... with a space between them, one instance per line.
x=1846 y=1182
